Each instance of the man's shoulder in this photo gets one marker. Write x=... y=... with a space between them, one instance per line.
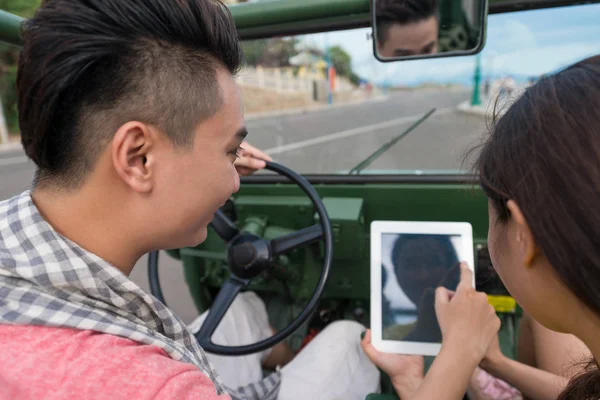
x=4 y=204
x=50 y=338
x=10 y=210
x=62 y=346
x=95 y=365
x=7 y=204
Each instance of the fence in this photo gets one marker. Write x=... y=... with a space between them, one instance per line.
x=283 y=80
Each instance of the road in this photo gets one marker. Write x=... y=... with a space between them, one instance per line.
x=338 y=139
x=330 y=140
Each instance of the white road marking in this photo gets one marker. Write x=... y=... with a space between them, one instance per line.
x=261 y=116
x=13 y=160
x=351 y=132
x=10 y=146
x=304 y=143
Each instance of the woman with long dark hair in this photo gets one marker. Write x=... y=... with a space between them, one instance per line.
x=540 y=169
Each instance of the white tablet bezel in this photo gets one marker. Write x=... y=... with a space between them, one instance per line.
x=378 y=228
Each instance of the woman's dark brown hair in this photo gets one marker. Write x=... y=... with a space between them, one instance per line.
x=544 y=154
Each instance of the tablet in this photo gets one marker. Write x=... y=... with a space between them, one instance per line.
x=409 y=260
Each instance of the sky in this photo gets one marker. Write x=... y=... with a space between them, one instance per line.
x=522 y=45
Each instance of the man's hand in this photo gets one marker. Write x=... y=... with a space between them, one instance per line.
x=250 y=159
x=405 y=371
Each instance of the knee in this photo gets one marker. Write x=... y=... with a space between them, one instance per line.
x=247 y=306
x=342 y=341
x=344 y=331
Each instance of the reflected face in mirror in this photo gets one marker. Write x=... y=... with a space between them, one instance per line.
x=419 y=38
x=424 y=261
x=407 y=27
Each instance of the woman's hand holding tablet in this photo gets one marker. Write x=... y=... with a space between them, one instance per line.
x=405 y=371
x=469 y=325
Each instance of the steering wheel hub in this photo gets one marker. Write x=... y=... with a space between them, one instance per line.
x=248 y=256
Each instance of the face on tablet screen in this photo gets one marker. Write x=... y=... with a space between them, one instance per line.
x=413 y=266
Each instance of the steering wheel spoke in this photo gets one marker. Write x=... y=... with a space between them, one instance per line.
x=223 y=226
x=297 y=239
x=248 y=256
x=229 y=291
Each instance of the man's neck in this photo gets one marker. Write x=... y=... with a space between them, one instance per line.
x=93 y=220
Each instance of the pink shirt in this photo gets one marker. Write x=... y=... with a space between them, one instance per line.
x=61 y=363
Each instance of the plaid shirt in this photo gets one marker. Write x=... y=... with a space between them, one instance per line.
x=46 y=279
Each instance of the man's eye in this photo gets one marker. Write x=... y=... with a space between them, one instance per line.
x=428 y=49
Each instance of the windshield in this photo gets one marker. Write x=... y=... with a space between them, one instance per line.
x=416 y=117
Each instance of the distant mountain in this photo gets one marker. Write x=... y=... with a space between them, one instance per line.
x=462 y=80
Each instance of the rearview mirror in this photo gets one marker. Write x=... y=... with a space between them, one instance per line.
x=415 y=29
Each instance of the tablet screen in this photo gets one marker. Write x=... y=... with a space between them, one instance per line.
x=413 y=266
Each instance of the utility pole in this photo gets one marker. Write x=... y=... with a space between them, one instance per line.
x=476 y=99
x=3 y=126
x=329 y=67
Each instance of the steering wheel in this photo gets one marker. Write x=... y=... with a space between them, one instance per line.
x=248 y=256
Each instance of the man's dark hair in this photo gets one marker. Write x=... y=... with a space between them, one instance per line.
x=87 y=67
x=420 y=253
x=391 y=12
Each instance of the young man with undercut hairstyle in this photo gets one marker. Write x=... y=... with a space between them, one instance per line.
x=130 y=111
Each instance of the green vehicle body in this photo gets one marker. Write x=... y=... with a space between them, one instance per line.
x=270 y=18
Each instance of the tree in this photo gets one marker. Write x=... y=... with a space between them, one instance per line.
x=279 y=51
x=8 y=61
x=341 y=61
x=354 y=79
x=254 y=51
x=22 y=8
x=275 y=52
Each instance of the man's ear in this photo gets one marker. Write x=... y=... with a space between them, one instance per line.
x=524 y=237
x=133 y=157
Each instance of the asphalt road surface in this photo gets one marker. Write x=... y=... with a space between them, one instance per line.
x=324 y=141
